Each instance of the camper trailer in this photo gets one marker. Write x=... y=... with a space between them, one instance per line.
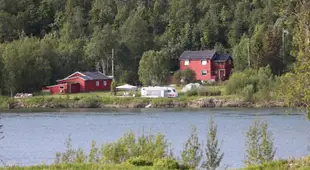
x=156 y=92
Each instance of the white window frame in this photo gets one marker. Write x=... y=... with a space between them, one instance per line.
x=202 y=72
x=105 y=83
x=204 y=62
x=97 y=83
x=186 y=62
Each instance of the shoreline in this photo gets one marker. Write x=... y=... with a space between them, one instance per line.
x=137 y=102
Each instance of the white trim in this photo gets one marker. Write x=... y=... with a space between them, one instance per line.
x=75 y=73
x=71 y=78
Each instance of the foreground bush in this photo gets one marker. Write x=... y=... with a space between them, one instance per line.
x=166 y=163
x=140 y=150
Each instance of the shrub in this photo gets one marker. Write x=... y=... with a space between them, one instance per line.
x=166 y=163
x=139 y=161
x=188 y=76
x=208 y=92
x=239 y=80
x=248 y=93
x=176 y=78
x=113 y=87
x=203 y=92
x=88 y=102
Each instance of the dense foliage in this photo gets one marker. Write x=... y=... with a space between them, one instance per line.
x=45 y=40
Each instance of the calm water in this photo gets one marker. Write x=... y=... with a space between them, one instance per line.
x=32 y=138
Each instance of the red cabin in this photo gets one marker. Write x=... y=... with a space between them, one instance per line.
x=208 y=65
x=81 y=82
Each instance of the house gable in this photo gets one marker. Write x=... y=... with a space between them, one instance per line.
x=198 y=55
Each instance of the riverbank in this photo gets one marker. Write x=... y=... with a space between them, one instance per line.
x=94 y=101
x=293 y=164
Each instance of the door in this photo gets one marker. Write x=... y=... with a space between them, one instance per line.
x=221 y=74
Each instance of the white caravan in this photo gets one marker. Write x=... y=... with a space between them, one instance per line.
x=156 y=92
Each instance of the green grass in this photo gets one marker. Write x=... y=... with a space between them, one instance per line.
x=78 y=167
x=102 y=99
x=294 y=164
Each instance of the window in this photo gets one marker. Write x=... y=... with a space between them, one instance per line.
x=203 y=62
x=61 y=87
x=204 y=72
x=186 y=62
x=105 y=83
x=229 y=62
x=97 y=83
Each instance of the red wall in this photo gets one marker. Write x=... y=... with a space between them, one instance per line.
x=90 y=85
x=211 y=67
x=76 y=80
x=223 y=66
x=56 y=89
x=197 y=67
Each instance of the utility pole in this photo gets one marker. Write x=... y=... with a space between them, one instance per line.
x=113 y=63
x=249 y=62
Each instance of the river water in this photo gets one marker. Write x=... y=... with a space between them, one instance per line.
x=34 y=137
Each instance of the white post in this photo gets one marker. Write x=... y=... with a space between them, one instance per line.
x=113 y=63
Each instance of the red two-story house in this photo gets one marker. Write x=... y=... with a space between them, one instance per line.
x=208 y=65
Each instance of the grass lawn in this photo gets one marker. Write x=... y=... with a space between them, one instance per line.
x=120 y=93
x=78 y=167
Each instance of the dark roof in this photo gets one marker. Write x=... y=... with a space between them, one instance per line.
x=207 y=54
x=197 y=55
x=222 y=57
x=94 y=76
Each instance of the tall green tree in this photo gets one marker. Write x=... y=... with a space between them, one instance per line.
x=241 y=53
x=259 y=144
x=99 y=48
x=212 y=151
x=153 y=68
x=192 y=152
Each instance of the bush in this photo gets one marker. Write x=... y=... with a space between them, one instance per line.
x=139 y=161
x=239 y=80
x=250 y=83
x=185 y=77
x=176 y=78
x=130 y=149
x=166 y=163
x=248 y=93
x=188 y=76
x=208 y=92
x=203 y=92
x=88 y=102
